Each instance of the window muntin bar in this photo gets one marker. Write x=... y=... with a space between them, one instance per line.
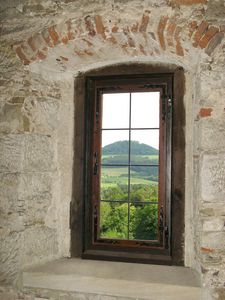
x=120 y=165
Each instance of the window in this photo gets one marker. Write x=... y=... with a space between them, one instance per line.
x=134 y=168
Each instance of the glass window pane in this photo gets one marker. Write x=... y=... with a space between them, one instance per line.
x=144 y=184
x=115 y=110
x=113 y=220
x=114 y=183
x=144 y=147
x=144 y=222
x=115 y=147
x=145 y=110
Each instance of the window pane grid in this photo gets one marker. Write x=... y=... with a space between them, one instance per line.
x=130 y=202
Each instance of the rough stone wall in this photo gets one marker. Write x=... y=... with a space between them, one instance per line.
x=44 y=45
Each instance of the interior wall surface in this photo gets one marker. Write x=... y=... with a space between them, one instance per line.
x=45 y=48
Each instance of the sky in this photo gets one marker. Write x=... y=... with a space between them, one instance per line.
x=144 y=114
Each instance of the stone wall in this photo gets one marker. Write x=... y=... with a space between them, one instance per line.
x=44 y=46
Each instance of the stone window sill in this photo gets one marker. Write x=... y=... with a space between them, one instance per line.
x=85 y=279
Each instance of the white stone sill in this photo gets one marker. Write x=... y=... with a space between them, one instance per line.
x=121 y=280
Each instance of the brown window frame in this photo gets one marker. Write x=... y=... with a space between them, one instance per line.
x=111 y=249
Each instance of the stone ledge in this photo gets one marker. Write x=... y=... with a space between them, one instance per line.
x=100 y=279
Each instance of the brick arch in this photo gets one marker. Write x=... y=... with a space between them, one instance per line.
x=137 y=39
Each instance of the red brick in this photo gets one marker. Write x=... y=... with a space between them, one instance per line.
x=144 y=21
x=192 y=27
x=115 y=29
x=207 y=250
x=187 y=2
x=46 y=37
x=199 y=33
x=22 y=56
x=208 y=36
x=179 y=48
x=36 y=42
x=170 y=31
x=134 y=27
x=54 y=35
x=161 y=27
x=99 y=26
x=65 y=40
x=40 y=55
x=29 y=53
x=64 y=58
x=70 y=32
x=90 y=26
x=31 y=43
x=215 y=41
x=205 y=112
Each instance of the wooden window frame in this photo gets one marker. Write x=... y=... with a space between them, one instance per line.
x=147 y=251
x=78 y=205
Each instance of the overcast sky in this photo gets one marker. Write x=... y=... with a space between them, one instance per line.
x=144 y=114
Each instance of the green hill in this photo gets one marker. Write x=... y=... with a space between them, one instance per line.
x=121 y=147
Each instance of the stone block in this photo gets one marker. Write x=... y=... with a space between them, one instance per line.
x=35 y=191
x=42 y=114
x=10 y=223
x=213 y=240
x=40 y=244
x=212 y=177
x=10 y=258
x=215 y=10
x=214 y=224
x=212 y=209
x=12 y=120
x=9 y=183
x=212 y=134
x=38 y=153
x=11 y=153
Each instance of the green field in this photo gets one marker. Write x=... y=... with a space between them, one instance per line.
x=114 y=176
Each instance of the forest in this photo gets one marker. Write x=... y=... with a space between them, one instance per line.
x=129 y=205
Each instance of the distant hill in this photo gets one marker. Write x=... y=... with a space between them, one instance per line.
x=122 y=147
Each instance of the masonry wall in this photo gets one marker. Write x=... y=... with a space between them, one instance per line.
x=45 y=46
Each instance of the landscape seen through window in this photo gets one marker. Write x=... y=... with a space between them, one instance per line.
x=129 y=166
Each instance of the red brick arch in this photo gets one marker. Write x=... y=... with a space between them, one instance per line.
x=132 y=39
